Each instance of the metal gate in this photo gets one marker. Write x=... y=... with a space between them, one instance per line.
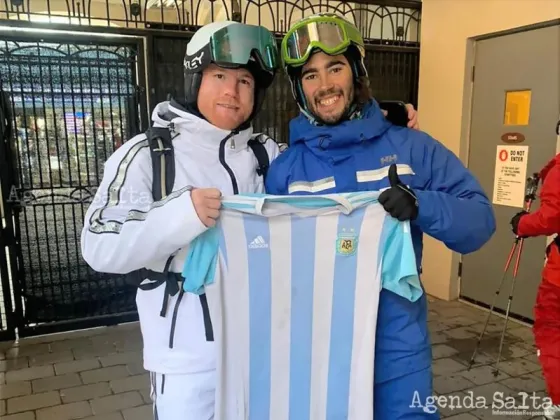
x=7 y=324
x=73 y=103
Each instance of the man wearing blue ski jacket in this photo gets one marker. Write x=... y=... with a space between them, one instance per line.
x=341 y=142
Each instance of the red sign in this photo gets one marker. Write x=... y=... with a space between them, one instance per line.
x=503 y=155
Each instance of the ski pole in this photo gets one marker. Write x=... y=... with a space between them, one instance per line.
x=530 y=195
x=496 y=293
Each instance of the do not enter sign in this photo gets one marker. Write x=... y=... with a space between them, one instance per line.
x=510 y=175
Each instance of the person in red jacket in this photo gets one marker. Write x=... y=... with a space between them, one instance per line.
x=546 y=221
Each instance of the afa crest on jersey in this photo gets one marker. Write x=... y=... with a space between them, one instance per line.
x=346 y=243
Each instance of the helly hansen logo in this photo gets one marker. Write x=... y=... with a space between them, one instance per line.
x=258 y=243
x=387 y=160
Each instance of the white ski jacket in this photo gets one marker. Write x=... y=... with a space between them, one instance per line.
x=125 y=230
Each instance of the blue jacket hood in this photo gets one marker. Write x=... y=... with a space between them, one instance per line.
x=371 y=125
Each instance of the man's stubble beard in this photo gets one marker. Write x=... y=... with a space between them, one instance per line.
x=335 y=119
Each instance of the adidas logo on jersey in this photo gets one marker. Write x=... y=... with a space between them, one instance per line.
x=258 y=243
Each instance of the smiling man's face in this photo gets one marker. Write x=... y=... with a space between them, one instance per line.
x=226 y=96
x=328 y=86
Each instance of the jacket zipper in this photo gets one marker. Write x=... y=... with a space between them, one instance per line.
x=208 y=328
x=222 y=157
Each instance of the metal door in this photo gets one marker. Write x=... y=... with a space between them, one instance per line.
x=516 y=103
x=73 y=101
x=7 y=322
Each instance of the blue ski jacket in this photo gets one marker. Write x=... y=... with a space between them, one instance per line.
x=355 y=156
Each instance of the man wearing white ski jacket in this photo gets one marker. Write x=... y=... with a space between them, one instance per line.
x=125 y=230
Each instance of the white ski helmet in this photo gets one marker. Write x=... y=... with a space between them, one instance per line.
x=231 y=44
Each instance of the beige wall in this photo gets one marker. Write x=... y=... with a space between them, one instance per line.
x=444 y=89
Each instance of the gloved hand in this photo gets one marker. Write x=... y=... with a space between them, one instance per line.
x=515 y=221
x=399 y=200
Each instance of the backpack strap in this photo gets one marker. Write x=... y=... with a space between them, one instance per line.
x=163 y=161
x=163 y=179
x=257 y=145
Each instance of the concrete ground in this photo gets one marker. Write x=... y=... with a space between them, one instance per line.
x=97 y=374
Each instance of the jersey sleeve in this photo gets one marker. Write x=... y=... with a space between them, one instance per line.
x=398 y=262
x=201 y=262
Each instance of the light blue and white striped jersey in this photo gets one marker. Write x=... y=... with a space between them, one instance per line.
x=294 y=301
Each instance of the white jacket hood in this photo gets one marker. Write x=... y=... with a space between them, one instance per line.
x=172 y=114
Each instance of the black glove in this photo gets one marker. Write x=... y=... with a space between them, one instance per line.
x=515 y=221
x=399 y=200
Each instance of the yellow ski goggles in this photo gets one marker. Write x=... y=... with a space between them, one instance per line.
x=328 y=32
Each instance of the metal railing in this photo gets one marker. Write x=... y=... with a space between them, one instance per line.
x=391 y=20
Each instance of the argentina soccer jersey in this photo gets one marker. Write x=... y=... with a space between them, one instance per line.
x=293 y=286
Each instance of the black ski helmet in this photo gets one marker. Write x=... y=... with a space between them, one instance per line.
x=231 y=44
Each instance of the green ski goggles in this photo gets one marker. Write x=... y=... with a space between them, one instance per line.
x=234 y=44
x=330 y=34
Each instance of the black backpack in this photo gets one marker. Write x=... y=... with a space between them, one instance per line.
x=163 y=163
